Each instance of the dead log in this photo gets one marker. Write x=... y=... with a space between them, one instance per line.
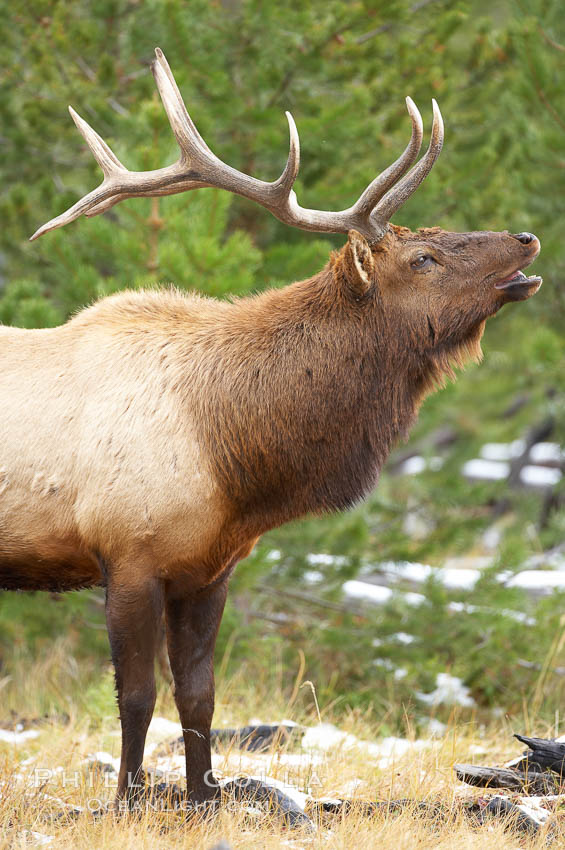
x=253 y=738
x=529 y=782
x=512 y=814
x=368 y=808
x=257 y=738
x=543 y=754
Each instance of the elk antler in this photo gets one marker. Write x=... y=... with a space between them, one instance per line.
x=197 y=167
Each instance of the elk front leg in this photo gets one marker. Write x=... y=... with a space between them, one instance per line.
x=133 y=615
x=192 y=627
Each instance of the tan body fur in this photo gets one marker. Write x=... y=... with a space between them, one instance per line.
x=96 y=456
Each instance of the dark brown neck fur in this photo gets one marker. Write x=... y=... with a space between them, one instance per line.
x=306 y=397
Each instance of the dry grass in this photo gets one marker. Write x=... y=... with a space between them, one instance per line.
x=64 y=745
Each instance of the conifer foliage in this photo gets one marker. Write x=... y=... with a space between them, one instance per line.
x=342 y=68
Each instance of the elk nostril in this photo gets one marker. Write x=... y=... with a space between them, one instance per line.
x=524 y=238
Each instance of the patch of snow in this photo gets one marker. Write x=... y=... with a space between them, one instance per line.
x=248 y=763
x=321 y=559
x=412 y=466
x=485 y=470
x=176 y=764
x=462 y=608
x=161 y=729
x=519 y=616
x=409 y=570
x=376 y=593
x=555 y=560
x=450 y=577
x=414 y=599
x=416 y=464
x=538 y=580
x=436 y=728
x=464 y=579
x=7 y=736
x=450 y=690
x=390 y=749
x=325 y=736
x=350 y=788
x=467 y=608
x=38 y=839
x=540 y=476
x=385 y=663
x=478 y=750
x=404 y=637
x=547 y=453
x=312 y=576
x=503 y=451
x=303 y=760
x=532 y=807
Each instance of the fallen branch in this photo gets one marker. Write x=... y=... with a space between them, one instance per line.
x=530 y=781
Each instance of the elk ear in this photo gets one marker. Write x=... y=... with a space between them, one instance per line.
x=358 y=264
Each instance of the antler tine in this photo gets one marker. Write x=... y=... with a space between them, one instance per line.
x=110 y=165
x=381 y=184
x=400 y=193
x=104 y=156
x=182 y=125
x=290 y=173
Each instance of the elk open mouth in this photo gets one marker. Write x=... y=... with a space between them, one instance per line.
x=518 y=286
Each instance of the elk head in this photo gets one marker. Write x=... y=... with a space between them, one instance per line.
x=439 y=286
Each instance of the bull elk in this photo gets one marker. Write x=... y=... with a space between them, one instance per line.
x=149 y=441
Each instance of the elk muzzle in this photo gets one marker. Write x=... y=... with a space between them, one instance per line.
x=516 y=286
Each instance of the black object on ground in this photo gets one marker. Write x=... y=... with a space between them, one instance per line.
x=529 y=781
x=543 y=754
x=253 y=738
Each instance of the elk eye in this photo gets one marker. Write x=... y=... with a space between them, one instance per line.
x=422 y=261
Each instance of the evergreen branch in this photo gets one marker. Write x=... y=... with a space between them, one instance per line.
x=386 y=27
x=546 y=37
x=544 y=99
x=307 y=597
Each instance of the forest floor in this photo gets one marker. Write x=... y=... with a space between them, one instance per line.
x=50 y=767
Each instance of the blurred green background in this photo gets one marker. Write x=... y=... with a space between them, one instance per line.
x=343 y=69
